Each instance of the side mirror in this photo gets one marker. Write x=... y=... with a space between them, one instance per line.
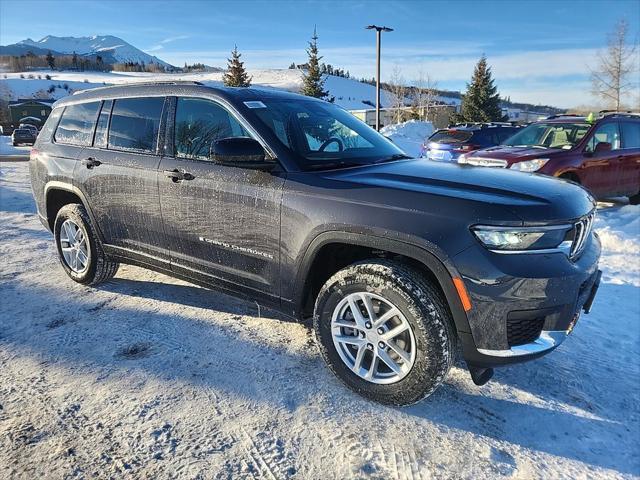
x=602 y=147
x=241 y=152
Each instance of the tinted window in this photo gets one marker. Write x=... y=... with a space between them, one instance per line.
x=76 y=124
x=199 y=123
x=451 y=136
x=630 y=134
x=135 y=123
x=607 y=133
x=100 y=140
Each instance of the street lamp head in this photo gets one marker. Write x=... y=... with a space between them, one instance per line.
x=380 y=29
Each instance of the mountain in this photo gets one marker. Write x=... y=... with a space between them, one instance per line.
x=112 y=49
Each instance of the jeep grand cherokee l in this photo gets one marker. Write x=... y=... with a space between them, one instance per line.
x=295 y=204
x=602 y=155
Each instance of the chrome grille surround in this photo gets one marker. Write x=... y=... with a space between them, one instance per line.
x=581 y=231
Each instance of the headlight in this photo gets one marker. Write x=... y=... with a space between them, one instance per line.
x=530 y=165
x=512 y=239
x=482 y=161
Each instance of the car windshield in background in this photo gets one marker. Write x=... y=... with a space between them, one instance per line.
x=451 y=136
x=549 y=135
x=324 y=135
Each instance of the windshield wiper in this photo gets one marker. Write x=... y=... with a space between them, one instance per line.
x=529 y=146
x=330 y=165
x=394 y=157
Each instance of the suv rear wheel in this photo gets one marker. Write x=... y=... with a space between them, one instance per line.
x=79 y=248
x=385 y=331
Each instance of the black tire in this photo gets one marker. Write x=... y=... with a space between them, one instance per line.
x=634 y=199
x=423 y=306
x=100 y=268
x=15 y=144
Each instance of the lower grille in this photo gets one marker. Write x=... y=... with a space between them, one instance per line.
x=523 y=330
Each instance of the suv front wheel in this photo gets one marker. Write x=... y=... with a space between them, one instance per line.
x=385 y=331
x=79 y=248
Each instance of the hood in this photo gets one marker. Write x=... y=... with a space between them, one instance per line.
x=516 y=154
x=529 y=197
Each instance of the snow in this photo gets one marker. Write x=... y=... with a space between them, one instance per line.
x=7 y=148
x=151 y=377
x=349 y=93
x=409 y=136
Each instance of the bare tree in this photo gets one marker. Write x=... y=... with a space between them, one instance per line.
x=426 y=95
x=613 y=77
x=396 y=82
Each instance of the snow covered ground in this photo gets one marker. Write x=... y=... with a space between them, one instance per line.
x=409 y=136
x=7 y=148
x=349 y=93
x=151 y=377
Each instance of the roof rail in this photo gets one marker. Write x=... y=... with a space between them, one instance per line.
x=605 y=113
x=141 y=84
x=559 y=115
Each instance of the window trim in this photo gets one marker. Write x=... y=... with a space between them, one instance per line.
x=95 y=129
x=157 y=151
x=95 y=121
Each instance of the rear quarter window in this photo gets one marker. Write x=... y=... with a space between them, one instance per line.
x=135 y=123
x=76 y=125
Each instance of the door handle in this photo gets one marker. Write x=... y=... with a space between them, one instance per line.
x=91 y=162
x=177 y=176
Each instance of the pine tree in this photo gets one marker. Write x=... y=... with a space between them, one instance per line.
x=51 y=61
x=236 y=75
x=313 y=83
x=481 y=102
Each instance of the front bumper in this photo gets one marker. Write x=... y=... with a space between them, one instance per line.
x=545 y=293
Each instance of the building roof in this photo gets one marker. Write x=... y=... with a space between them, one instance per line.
x=43 y=101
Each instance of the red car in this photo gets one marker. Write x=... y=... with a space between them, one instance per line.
x=601 y=154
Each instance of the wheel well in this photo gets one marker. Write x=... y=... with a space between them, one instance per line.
x=56 y=199
x=570 y=176
x=333 y=257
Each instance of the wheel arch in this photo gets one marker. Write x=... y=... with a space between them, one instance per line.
x=58 y=194
x=319 y=262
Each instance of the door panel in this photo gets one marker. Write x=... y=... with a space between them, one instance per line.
x=601 y=171
x=630 y=156
x=220 y=221
x=122 y=186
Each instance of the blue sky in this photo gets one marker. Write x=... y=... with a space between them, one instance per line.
x=540 y=50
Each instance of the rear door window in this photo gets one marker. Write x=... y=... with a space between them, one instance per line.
x=451 y=136
x=77 y=123
x=135 y=123
x=607 y=133
x=630 y=134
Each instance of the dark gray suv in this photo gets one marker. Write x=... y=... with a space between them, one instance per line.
x=295 y=204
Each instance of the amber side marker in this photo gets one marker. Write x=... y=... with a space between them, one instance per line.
x=462 y=293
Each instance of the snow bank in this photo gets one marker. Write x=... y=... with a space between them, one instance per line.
x=619 y=231
x=409 y=136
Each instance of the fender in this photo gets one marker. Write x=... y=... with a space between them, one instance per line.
x=440 y=266
x=58 y=185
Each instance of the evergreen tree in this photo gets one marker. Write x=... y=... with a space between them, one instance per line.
x=313 y=83
x=74 y=60
x=236 y=75
x=481 y=102
x=292 y=66
x=51 y=61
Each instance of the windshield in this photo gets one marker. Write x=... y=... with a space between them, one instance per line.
x=451 y=136
x=549 y=135
x=324 y=135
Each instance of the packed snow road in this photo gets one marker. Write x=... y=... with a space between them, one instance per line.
x=151 y=377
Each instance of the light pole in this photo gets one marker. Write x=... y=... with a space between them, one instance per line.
x=379 y=31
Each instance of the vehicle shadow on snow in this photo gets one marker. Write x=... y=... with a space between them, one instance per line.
x=246 y=364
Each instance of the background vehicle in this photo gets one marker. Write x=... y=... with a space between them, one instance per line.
x=448 y=144
x=296 y=204
x=23 y=135
x=28 y=126
x=602 y=155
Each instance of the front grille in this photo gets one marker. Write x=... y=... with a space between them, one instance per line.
x=523 y=330
x=581 y=232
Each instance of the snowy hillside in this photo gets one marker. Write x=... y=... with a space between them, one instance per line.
x=349 y=93
x=117 y=48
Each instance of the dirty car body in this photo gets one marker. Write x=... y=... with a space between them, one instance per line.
x=276 y=224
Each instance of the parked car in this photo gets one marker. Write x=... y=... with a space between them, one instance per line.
x=299 y=206
x=602 y=154
x=23 y=135
x=446 y=145
x=28 y=126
